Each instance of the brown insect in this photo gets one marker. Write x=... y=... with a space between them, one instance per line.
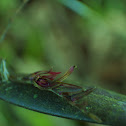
x=45 y=80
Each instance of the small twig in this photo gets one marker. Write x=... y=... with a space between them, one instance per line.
x=11 y=20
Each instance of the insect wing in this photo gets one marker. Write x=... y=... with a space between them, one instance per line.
x=72 y=91
x=61 y=88
x=76 y=96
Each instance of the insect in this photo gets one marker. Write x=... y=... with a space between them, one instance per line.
x=46 y=80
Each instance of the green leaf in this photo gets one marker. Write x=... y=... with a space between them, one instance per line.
x=32 y=98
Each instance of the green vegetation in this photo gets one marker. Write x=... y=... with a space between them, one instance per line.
x=44 y=34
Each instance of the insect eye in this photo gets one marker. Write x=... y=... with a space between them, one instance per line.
x=42 y=82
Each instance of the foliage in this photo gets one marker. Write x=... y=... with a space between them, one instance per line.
x=89 y=34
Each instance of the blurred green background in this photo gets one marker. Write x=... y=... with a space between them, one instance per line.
x=48 y=34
